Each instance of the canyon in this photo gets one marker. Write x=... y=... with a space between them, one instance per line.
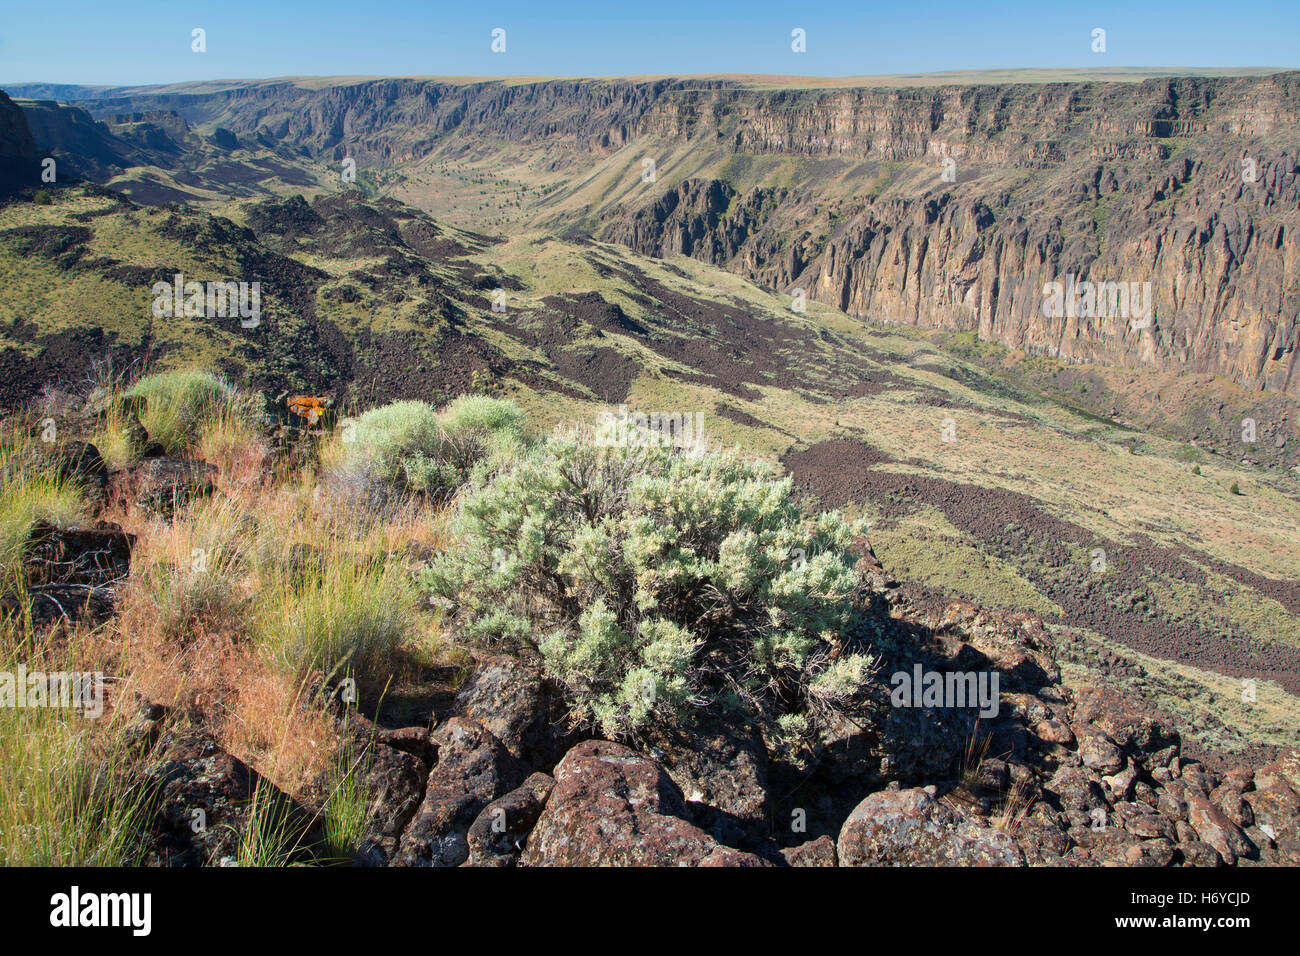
x=943 y=207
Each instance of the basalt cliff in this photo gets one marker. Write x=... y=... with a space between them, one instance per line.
x=945 y=207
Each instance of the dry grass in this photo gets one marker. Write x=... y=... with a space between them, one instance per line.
x=1016 y=806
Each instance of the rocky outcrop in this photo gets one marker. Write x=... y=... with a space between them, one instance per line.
x=720 y=764
x=513 y=702
x=215 y=810
x=73 y=573
x=613 y=807
x=473 y=769
x=19 y=162
x=497 y=837
x=164 y=485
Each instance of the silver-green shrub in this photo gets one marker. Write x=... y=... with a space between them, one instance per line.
x=408 y=447
x=652 y=582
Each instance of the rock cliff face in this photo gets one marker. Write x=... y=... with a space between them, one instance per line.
x=945 y=207
x=1186 y=188
x=19 y=165
x=99 y=149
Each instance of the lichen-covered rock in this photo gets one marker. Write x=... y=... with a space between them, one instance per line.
x=911 y=828
x=1129 y=724
x=1099 y=752
x=473 y=769
x=206 y=806
x=818 y=852
x=613 y=807
x=720 y=763
x=1275 y=809
x=497 y=837
x=1214 y=828
x=162 y=486
x=512 y=700
x=392 y=781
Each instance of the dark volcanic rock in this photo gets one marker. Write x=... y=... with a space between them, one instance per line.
x=720 y=764
x=613 y=807
x=164 y=485
x=473 y=769
x=393 y=782
x=497 y=837
x=75 y=572
x=511 y=699
x=206 y=804
x=910 y=828
x=818 y=852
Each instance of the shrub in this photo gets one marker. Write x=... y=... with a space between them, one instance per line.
x=651 y=582
x=408 y=448
x=42 y=197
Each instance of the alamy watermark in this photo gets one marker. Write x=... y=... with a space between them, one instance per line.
x=211 y=300
x=73 y=690
x=626 y=429
x=1084 y=299
x=959 y=689
x=73 y=909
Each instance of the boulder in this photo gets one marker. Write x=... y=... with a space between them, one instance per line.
x=161 y=486
x=392 y=781
x=1128 y=724
x=720 y=763
x=205 y=801
x=1214 y=828
x=497 y=837
x=74 y=573
x=512 y=700
x=910 y=828
x=614 y=807
x=473 y=769
x=1196 y=853
x=1043 y=841
x=1098 y=752
x=1275 y=809
x=81 y=462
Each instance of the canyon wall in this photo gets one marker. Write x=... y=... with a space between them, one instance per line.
x=949 y=207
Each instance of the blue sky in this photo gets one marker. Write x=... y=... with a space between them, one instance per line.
x=77 y=41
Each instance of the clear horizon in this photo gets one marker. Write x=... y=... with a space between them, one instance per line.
x=92 y=46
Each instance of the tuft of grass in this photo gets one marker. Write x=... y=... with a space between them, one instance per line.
x=179 y=403
x=70 y=790
x=31 y=491
x=347 y=809
x=973 y=756
x=272 y=837
x=113 y=436
x=344 y=616
x=189 y=572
